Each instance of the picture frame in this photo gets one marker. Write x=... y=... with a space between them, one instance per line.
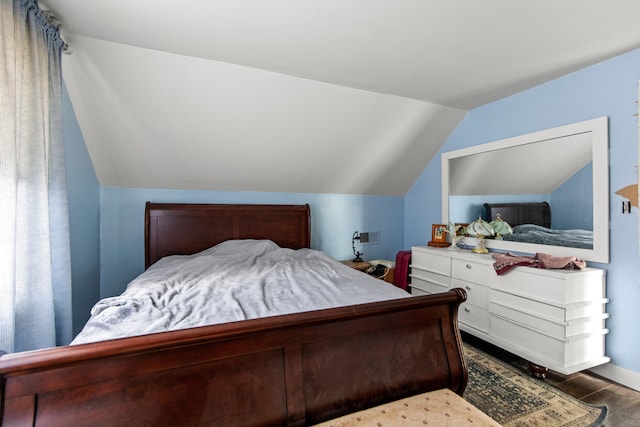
x=461 y=229
x=439 y=233
x=439 y=236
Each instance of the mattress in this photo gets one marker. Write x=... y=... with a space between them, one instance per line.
x=233 y=281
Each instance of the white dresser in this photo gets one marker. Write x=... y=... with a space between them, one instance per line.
x=555 y=319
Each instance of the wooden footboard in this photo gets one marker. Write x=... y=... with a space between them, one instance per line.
x=293 y=370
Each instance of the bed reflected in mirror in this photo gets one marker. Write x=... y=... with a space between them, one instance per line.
x=565 y=168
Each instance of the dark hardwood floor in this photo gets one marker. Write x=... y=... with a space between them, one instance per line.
x=623 y=402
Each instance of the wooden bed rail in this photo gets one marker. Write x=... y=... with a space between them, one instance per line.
x=292 y=370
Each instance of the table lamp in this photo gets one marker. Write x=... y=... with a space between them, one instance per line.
x=500 y=227
x=480 y=229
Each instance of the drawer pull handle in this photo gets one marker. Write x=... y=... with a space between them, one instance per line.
x=468 y=287
x=467 y=309
x=469 y=266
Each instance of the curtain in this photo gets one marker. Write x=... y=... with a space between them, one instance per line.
x=35 y=268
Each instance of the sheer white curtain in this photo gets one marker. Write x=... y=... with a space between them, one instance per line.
x=35 y=272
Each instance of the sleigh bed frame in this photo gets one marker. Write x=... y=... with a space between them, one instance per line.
x=294 y=370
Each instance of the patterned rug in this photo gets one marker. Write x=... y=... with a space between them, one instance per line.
x=515 y=399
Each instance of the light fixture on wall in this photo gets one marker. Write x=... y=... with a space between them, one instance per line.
x=357 y=254
x=480 y=229
x=500 y=227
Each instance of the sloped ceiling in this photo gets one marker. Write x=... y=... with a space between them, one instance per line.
x=516 y=169
x=323 y=96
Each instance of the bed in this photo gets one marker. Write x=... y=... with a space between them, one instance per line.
x=531 y=223
x=291 y=369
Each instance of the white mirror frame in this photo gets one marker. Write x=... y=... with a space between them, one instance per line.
x=600 y=162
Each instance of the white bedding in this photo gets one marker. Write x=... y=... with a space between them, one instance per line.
x=235 y=280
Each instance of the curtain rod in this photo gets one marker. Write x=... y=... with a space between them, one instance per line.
x=57 y=23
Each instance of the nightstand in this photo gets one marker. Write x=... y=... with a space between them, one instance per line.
x=360 y=265
x=363 y=265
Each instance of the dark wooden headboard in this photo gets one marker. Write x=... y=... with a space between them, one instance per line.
x=538 y=213
x=185 y=228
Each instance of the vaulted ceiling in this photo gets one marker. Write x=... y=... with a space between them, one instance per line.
x=322 y=96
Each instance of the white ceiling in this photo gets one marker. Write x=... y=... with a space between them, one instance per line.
x=309 y=96
x=484 y=172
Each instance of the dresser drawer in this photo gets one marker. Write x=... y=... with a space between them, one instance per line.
x=417 y=291
x=477 y=295
x=429 y=282
x=429 y=276
x=557 y=286
x=474 y=272
x=431 y=262
x=559 y=330
x=474 y=317
x=565 y=355
x=556 y=313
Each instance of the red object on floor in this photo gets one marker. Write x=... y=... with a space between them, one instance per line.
x=401 y=277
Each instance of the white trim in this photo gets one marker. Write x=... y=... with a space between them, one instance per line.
x=620 y=375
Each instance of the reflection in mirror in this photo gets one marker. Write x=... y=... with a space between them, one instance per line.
x=563 y=169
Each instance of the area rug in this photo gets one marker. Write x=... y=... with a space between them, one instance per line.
x=515 y=399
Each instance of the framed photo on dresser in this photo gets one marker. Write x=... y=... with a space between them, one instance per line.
x=439 y=235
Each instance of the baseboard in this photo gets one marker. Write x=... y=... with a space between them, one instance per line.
x=620 y=375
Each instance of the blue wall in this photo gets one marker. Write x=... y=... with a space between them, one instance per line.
x=334 y=218
x=84 y=218
x=606 y=89
x=572 y=202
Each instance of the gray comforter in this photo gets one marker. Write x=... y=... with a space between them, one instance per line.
x=235 y=280
x=531 y=233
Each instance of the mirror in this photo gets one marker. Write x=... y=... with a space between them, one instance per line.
x=567 y=167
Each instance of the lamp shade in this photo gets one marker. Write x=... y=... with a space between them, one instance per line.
x=500 y=227
x=480 y=227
